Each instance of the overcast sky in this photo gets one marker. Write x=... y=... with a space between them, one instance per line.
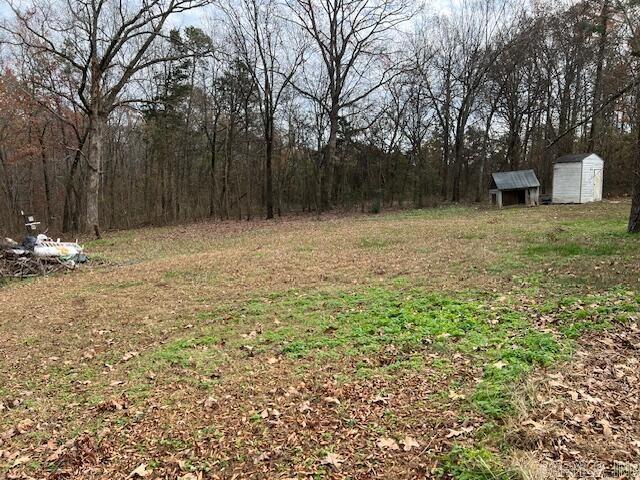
x=196 y=17
x=4 y=9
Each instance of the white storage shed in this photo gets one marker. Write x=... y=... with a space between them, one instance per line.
x=578 y=178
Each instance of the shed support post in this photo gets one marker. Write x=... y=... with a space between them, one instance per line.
x=499 y=198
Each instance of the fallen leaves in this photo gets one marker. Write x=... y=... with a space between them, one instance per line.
x=456 y=396
x=210 y=402
x=140 y=471
x=20 y=461
x=74 y=454
x=263 y=457
x=460 y=432
x=250 y=336
x=381 y=400
x=587 y=412
x=270 y=413
x=25 y=425
x=115 y=404
x=22 y=427
x=589 y=398
x=190 y=476
x=332 y=460
x=128 y=356
x=607 y=431
x=408 y=443
x=536 y=425
x=390 y=444
x=387 y=443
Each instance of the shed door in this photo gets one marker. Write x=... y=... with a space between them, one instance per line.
x=597 y=184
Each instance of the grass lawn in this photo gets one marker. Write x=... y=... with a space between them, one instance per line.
x=419 y=344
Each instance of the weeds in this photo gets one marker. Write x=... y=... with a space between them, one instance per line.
x=469 y=463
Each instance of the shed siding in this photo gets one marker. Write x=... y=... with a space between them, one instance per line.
x=590 y=166
x=567 y=182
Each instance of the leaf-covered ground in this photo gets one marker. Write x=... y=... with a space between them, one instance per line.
x=447 y=343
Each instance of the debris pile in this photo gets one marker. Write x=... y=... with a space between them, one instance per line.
x=38 y=255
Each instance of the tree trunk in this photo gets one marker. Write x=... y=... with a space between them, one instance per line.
x=565 y=145
x=212 y=180
x=328 y=162
x=513 y=145
x=634 y=217
x=597 y=93
x=486 y=139
x=213 y=142
x=96 y=140
x=318 y=187
x=45 y=178
x=445 y=136
x=7 y=190
x=223 y=199
x=70 y=216
x=269 y=172
x=457 y=167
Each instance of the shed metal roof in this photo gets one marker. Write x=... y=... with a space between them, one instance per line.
x=575 y=158
x=515 y=180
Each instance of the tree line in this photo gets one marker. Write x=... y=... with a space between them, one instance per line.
x=113 y=116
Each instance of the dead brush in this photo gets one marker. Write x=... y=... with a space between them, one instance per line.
x=521 y=431
x=527 y=466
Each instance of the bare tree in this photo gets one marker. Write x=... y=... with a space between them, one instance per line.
x=367 y=119
x=468 y=47
x=603 y=28
x=272 y=59
x=104 y=43
x=419 y=112
x=349 y=36
x=212 y=109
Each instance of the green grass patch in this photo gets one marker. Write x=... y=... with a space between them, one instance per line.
x=186 y=352
x=582 y=238
x=400 y=328
x=573 y=315
x=571 y=249
x=471 y=463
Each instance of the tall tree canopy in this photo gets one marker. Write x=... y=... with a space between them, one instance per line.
x=115 y=115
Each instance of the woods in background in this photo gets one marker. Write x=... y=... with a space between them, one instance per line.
x=110 y=118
